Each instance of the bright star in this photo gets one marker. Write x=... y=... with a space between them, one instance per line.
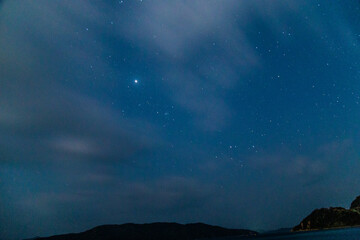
x=135 y=81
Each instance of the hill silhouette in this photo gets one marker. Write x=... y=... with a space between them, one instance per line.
x=152 y=231
x=333 y=217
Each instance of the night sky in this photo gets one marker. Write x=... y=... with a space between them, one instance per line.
x=237 y=113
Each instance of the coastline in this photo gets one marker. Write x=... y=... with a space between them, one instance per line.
x=324 y=229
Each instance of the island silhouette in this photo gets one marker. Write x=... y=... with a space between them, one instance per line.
x=153 y=231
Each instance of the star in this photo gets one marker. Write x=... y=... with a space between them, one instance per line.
x=136 y=81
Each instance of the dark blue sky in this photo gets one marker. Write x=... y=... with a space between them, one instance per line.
x=237 y=113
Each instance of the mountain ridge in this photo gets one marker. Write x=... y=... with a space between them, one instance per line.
x=152 y=231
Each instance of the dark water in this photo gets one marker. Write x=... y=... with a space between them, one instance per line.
x=340 y=234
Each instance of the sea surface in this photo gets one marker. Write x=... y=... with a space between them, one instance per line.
x=339 y=234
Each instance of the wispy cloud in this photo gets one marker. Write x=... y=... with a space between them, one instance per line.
x=179 y=30
x=305 y=167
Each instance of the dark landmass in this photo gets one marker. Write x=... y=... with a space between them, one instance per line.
x=355 y=204
x=153 y=231
x=333 y=217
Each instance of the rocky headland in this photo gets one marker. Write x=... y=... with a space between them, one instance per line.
x=333 y=217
